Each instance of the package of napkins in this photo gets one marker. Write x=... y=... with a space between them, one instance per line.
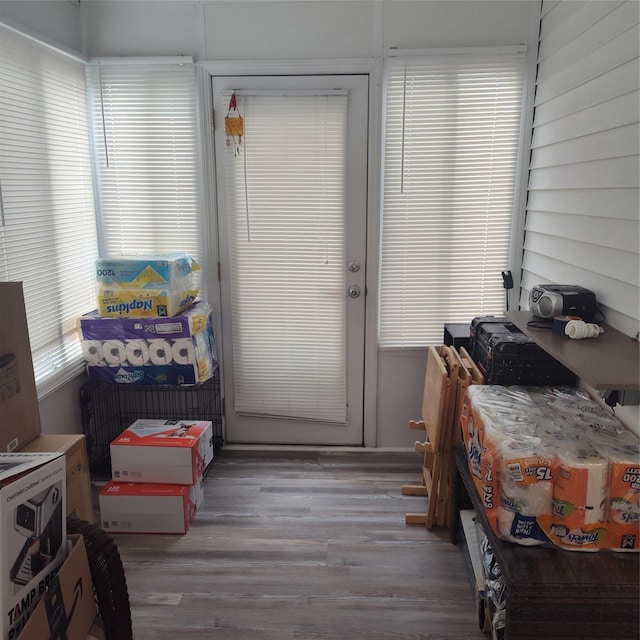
x=146 y=286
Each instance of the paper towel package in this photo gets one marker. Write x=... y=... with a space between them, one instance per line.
x=32 y=531
x=170 y=351
x=162 y=451
x=552 y=467
x=146 y=286
x=149 y=508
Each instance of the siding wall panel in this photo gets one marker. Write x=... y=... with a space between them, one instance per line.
x=622 y=17
x=589 y=66
x=568 y=20
x=610 y=203
x=583 y=211
x=618 y=142
x=620 y=80
x=617 y=112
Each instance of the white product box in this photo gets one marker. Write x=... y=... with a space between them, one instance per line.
x=133 y=507
x=33 y=532
x=162 y=451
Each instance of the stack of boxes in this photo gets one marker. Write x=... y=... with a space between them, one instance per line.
x=147 y=328
x=43 y=479
x=157 y=470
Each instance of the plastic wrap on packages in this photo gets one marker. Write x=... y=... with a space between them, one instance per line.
x=165 y=351
x=146 y=286
x=155 y=271
x=495 y=587
x=552 y=467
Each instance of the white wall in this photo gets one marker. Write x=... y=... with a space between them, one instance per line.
x=314 y=30
x=583 y=214
x=291 y=30
x=57 y=20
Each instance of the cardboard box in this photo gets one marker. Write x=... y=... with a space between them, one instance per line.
x=18 y=398
x=74 y=447
x=162 y=451
x=127 y=507
x=32 y=531
x=68 y=608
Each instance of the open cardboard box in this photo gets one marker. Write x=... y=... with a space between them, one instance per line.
x=74 y=447
x=68 y=608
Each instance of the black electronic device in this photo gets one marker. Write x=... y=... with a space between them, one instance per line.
x=506 y=356
x=550 y=300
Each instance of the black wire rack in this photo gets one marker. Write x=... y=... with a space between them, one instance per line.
x=108 y=409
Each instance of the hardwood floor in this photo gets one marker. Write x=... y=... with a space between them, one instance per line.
x=302 y=546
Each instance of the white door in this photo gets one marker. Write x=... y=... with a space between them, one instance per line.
x=291 y=197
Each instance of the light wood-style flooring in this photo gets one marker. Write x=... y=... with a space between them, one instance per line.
x=302 y=546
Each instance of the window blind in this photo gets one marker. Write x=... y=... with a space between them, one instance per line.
x=47 y=217
x=143 y=119
x=451 y=149
x=286 y=208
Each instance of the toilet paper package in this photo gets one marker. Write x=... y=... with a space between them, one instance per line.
x=146 y=286
x=552 y=467
x=165 y=351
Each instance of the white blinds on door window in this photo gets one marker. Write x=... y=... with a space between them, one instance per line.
x=145 y=143
x=47 y=219
x=451 y=149
x=285 y=208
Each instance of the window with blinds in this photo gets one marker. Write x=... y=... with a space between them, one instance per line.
x=47 y=217
x=286 y=206
x=143 y=118
x=452 y=130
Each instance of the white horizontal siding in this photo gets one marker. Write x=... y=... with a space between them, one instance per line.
x=595 y=231
x=621 y=141
x=569 y=20
x=588 y=202
x=583 y=212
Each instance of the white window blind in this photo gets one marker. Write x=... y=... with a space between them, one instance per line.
x=144 y=133
x=47 y=218
x=286 y=207
x=451 y=149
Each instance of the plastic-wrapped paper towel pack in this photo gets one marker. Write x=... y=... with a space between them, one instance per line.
x=551 y=466
x=146 y=286
x=175 y=350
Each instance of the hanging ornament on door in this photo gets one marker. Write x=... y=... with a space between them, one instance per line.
x=234 y=124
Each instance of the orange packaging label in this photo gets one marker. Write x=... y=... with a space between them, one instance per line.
x=624 y=494
x=529 y=470
x=579 y=494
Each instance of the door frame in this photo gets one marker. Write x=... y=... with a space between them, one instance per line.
x=211 y=282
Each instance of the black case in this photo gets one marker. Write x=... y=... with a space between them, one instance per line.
x=507 y=356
